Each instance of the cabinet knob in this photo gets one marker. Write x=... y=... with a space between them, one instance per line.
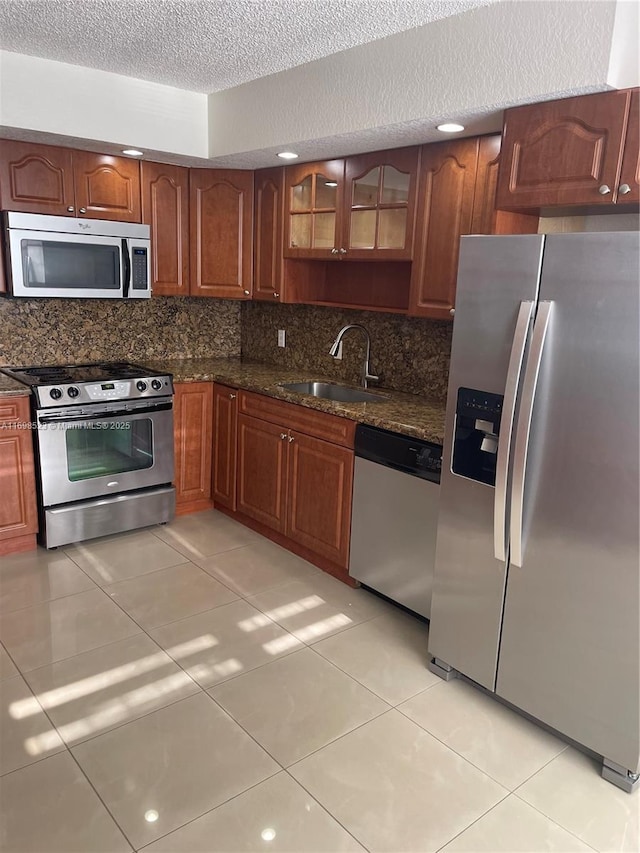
x=275 y=295
x=343 y=251
x=83 y=210
x=246 y=292
x=604 y=190
x=623 y=189
x=70 y=209
x=283 y=435
x=232 y=396
x=290 y=439
x=452 y=311
x=334 y=251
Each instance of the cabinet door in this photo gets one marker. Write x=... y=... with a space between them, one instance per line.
x=221 y=219
x=380 y=200
x=445 y=204
x=267 y=242
x=165 y=208
x=193 y=404
x=262 y=467
x=563 y=153
x=486 y=219
x=225 y=422
x=107 y=187
x=630 y=173
x=36 y=178
x=18 y=514
x=313 y=203
x=320 y=490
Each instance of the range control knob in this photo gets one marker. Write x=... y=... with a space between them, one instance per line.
x=56 y=393
x=141 y=386
x=156 y=384
x=72 y=391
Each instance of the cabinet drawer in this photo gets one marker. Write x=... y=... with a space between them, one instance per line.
x=318 y=424
x=14 y=410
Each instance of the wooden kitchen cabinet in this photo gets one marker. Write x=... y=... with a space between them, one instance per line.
x=267 y=234
x=630 y=172
x=225 y=424
x=221 y=223
x=295 y=477
x=165 y=208
x=18 y=512
x=361 y=208
x=457 y=192
x=193 y=427
x=66 y=182
x=570 y=153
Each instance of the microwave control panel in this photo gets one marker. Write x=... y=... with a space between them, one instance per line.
x=139 y=268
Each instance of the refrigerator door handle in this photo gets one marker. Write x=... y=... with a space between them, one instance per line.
x=514 y=370
x=529 y=385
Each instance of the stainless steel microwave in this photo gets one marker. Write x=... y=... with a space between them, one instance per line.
x=76 y=258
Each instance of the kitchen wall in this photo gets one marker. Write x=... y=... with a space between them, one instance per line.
x=409 y=354
x=58 y=331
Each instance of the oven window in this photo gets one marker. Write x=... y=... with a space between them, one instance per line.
x=103 y=448
x=70 y=266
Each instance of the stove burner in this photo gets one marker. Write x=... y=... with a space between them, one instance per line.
x=67 y=373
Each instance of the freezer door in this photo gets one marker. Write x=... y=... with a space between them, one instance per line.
x=570 y=644
x=496 y=276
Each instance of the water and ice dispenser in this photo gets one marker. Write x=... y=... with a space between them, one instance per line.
x=475 y=442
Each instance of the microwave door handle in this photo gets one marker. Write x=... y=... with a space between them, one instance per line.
x=523 y=429
x=514 y=370
x=126 y=280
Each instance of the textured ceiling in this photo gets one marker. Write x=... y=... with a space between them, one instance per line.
x=206 y=45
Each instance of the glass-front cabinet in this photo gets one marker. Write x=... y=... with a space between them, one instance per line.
x=361 y=208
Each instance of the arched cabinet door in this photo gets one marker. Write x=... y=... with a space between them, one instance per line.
x=267 y=235
x=313 y=201
x=107 y=187
x=36 y=178
x=380 y=201
x=564 y=153
x=221 y=223
x=165 y=208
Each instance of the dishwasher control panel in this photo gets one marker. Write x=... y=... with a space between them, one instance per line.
x=411 y=455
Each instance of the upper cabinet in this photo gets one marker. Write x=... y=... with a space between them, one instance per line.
x=267 y=234
x=65 y=182
x=361 y=208
x=456 y=196
x=221 y=222
x=165 y=208
x=574 y=152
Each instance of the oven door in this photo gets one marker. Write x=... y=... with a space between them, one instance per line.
x=51 y=264
x=94 y=451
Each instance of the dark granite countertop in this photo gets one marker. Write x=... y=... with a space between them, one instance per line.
x=10 y=388
x=409 y=414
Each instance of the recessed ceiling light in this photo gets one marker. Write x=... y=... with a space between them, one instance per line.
x=132 y=152
x=288 y=155
x=450 y=127
x=331 y=183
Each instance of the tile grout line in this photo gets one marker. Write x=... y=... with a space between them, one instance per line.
x=551 y=819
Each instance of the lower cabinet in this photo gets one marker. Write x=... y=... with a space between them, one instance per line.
x=18 y=512
x=193 y=409
x=293 y=474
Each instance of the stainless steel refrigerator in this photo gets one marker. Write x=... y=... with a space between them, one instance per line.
x=537 y=578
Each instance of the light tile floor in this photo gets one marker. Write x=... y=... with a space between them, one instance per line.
x=196 y=688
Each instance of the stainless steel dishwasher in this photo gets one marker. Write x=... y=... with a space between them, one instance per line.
x=395 y=512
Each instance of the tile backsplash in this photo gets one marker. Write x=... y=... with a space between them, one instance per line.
x=59 y=331
x=409 y=354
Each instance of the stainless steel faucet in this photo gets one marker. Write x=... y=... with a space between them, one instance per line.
x=335 y=349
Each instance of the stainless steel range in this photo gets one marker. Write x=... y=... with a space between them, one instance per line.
x=103 y=436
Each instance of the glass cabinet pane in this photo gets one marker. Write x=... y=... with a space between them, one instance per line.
x=324 y=231
x=301 y=231
x=392 y=228
x=301 y=194
x=395 y=186
x=365 y=189
x=363 y=229
x=326 y=193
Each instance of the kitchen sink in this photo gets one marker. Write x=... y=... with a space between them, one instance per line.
x=338 y=393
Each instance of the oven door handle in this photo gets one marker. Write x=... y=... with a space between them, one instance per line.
x=103 y=416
